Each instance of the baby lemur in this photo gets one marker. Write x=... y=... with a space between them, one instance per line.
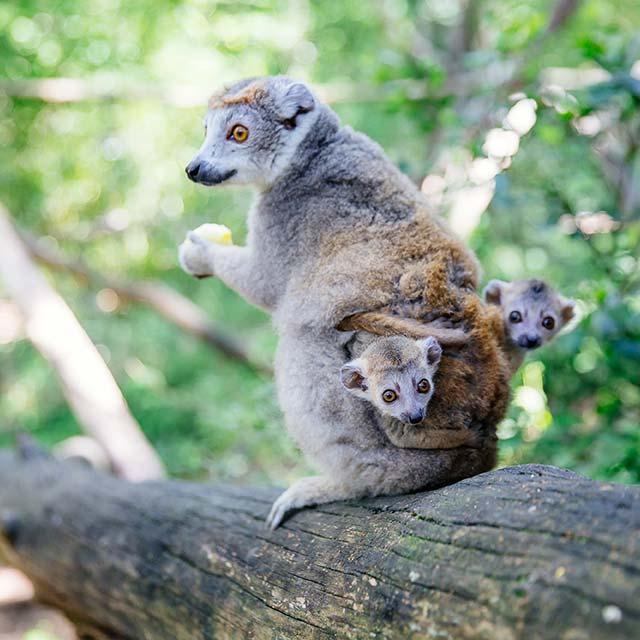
x=396 y=374
x=335 y=230
x=531 y=314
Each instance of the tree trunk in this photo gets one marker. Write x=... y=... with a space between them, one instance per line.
x=87 y=384
x=525 y=552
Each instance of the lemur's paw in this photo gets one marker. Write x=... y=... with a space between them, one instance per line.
x=195 y=255
x=283 y=505
x=303 y=493
x=278 y=512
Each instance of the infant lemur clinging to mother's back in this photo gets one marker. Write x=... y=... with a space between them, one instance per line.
x=396 y=372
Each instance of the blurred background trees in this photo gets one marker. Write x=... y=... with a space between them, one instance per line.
x=519 y=118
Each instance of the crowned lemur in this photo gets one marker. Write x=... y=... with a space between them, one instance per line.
x=335 y=230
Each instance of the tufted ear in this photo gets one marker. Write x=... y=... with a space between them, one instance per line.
x=431 y=349
x=568 y=310
x=493 y=291
x=353 y=378
x=295 y=99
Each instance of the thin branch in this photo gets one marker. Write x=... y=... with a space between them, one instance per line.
x=167 y=302
x=94 y=89
x=562 y=13
x=87 y=383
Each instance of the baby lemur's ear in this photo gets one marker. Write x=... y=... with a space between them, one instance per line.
x=432 y=350
x=493 y=291
x=295 y=99
x=568 y=309
x=353 y=377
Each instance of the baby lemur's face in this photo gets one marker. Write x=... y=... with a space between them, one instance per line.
x=252 y=131
x=396 y=375
x=533 y=312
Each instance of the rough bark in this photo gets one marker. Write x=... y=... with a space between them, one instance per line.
x=525 y=552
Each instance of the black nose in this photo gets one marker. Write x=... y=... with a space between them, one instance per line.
x=416 y=418
x=193 y=169
x=529 y=342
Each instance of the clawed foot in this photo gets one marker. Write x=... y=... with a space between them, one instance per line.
x=279 y=510
x=196 y=256
x=304 y=493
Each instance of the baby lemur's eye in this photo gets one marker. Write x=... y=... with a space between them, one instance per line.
x=515 y=317
x=548 y=323
x=389 y=395
x=424 y=386
x=239 y=133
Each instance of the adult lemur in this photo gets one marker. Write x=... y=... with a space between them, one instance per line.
x=336 y=229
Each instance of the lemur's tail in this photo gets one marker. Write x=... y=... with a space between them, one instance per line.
x=387 y=324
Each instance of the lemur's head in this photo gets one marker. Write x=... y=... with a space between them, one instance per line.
x=396 y=375
x=252 y=131
x=533 y=312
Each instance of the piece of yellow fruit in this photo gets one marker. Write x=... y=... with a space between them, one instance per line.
x=216 y=233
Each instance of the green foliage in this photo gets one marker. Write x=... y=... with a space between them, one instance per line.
x=105 y=179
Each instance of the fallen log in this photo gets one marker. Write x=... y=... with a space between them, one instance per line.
x=524 y=552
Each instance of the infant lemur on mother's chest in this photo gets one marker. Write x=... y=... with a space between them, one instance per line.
x=396 y=375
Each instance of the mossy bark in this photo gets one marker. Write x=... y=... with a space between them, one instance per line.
x=524 y=552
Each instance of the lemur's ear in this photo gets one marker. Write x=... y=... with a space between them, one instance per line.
x=493 y=291
x=353 y=378
x=432 y=350
x=568 y=309
x=295 y=99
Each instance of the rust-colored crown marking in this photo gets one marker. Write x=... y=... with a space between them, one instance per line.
x=248 y=95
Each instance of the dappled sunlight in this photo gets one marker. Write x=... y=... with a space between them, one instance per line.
x=501 y=143
x=522 y=116
x=589 y=223
x=107 y=300
x=531 y=398
x=11 y=324
x=465 y=191
x=559 y=79
x=468 y=206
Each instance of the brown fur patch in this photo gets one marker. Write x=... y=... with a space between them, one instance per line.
x=249 y=95
x=412 y=283
x=378 y=268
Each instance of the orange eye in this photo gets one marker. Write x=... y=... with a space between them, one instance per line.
x=389 y=396
x=239 y=133
x=424 y=386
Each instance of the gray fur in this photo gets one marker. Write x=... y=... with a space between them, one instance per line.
x=329 y=208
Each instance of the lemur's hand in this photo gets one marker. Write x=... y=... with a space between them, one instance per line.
x=196 y=255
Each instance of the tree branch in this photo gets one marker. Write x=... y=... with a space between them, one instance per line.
x=526 y=552
x=87 y=383
x=562 y=13
x=167 y=302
